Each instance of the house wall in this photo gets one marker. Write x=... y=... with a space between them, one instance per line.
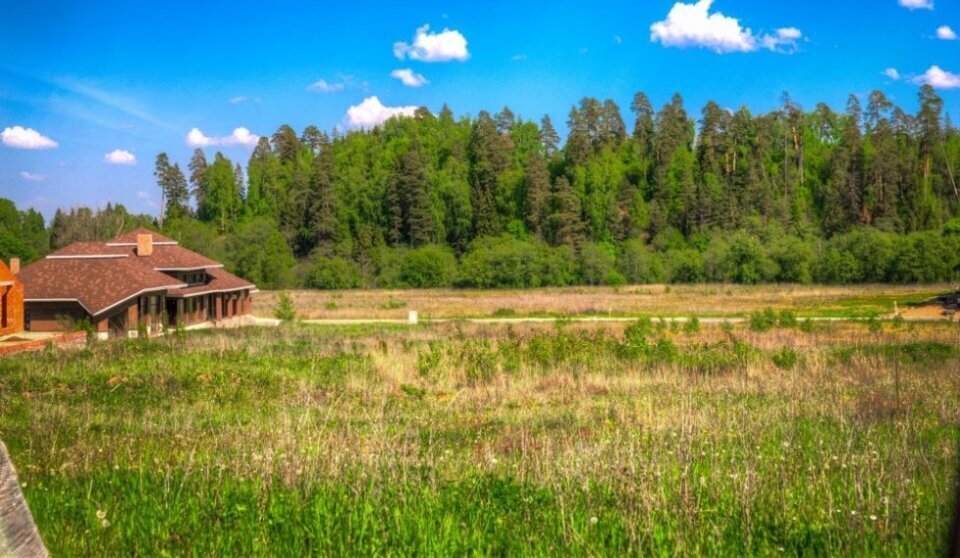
x=53 y=316
x=11 y=303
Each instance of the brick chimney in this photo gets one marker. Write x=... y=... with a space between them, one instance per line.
x=144 y=244
x=15 y=265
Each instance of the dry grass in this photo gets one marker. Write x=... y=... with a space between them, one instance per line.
x=652 y=300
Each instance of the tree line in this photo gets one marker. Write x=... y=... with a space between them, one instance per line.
x=867 y=194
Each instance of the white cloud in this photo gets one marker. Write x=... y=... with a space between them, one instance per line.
x=240 y=136
x=26 y=138
x=692 y=25
x=195 y=138
x=120 y=157
x=409 y=78
x=243 y=99
x=892 y=73
x=32 y=177
x=371 y=112
x=433 y=47
x=323 y=86
x=938 y=78
x=945 y=33
x=518 y=57
x=917 y=4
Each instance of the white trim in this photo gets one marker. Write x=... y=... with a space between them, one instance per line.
x=217 y=266
x=6 y=283
x=86 y=256
x=114 y=305
x=155 y=243
x=218 y=291
x=77 y=300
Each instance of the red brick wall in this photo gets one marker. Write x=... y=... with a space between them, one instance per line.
x=14 y=302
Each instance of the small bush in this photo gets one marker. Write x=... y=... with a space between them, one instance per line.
x=787 y=319
x=692 y=326
x=763 y=321
x=428 y=267
x=285 y=310
x=331 y=273
x=786 y=358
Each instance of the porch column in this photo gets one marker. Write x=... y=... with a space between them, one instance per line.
x=218 y=306
x=103 y=329
x=133 y=319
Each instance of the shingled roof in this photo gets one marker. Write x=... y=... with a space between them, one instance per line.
x=221 y=282
x=98 y=284
x=101 y=275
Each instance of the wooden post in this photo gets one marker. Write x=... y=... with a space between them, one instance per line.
x=18 y=534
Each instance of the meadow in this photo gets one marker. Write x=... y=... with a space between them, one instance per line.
x=639 y=438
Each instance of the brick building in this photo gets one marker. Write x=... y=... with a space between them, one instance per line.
x=138 y=282
x=11 y=298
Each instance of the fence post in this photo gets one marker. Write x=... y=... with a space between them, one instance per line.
x=18 y=534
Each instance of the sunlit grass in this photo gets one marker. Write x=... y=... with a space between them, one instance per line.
x=461 y=439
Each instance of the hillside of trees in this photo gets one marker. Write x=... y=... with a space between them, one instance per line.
x=864 y=195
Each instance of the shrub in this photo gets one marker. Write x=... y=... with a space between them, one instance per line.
x=598 y=265
x=922 y=257
x=787 y=319
x=749 y=262
x=794 y=259
x=331 y=273
x=284 y=310
x=692 y=326
x=786 y=358
x=428 y=267
x=507 y=262
x=638 y=264
x=763 y=321
x=259 y=253
x=684 y=266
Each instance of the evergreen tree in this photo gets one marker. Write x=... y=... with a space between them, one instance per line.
x=549 y=137
x=565 y=223
x=197 y=168
x=537 y=192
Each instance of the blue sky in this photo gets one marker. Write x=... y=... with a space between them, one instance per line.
x=114 y=83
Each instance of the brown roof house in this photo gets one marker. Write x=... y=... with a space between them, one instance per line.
x=11 y=298
x=138 y=282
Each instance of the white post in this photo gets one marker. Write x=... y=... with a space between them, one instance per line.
x=412 y=317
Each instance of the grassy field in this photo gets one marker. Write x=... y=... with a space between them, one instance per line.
x=634 y=301
x=472 y=439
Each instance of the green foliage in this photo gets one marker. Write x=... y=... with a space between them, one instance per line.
x=639 y=264
x=763 y=320
x=259 y=253
x=285 y=310
x=428 y=267
x=598 y=265
x=506 y=262
x=788 y=196
x=786 y=358
x=692 y=325
x=331 y=273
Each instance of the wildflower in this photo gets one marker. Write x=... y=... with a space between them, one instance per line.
x=593 y=520
x=873 y=517
x=853 y=512
x=494 y=460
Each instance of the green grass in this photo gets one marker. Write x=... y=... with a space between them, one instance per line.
x=459 y=440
